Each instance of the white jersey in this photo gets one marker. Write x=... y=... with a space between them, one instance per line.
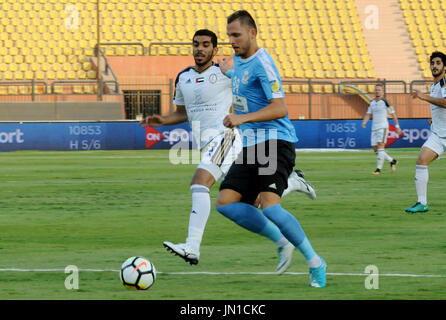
x=380 y=109
x=438 y=90
x=207 y=97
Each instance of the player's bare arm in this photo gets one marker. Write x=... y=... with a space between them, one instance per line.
x=395 y=120
x=365 y=120
x=178 y=116
x=440 y=102
x=275 y=110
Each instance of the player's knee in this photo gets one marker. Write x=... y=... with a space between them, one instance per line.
x=268 y=199
x=422 y=162
x=222 y=202
x=203 y=177
x=226 y=197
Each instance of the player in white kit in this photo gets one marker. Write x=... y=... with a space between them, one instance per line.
x=435 y=145
x=379 y=109
x=203 y=96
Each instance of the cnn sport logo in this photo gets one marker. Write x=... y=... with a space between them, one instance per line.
x=415 y=134
x=153 y=136
x=12 y=137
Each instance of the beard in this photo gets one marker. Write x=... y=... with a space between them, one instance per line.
x=436 y=73
x=205 y=61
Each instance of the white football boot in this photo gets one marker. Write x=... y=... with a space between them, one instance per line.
x=285 y=256
x=297 y=183
x=183 y=251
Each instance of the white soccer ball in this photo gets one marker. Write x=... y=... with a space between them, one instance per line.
x=137 y=273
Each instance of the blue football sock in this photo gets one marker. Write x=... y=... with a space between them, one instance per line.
x=250 y=218
x=291 y=229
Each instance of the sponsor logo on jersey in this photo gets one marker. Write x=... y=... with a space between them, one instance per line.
x=153 y=136
x=213 y=78
x=245 y=77
x=240 y=103
x=275 y=86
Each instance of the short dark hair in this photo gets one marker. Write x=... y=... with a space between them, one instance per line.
x=206 y=32
x=438 y=54
x=244 y=17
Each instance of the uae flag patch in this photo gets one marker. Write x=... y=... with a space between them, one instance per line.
x=198 y=80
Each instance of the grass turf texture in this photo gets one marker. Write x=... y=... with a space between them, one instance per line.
x=96 y=209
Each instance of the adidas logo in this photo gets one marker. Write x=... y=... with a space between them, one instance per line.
x=272 y=186
x=193 y=211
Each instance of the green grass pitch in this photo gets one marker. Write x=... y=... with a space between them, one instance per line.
x=95 y=209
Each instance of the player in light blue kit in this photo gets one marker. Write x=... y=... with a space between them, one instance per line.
x=262 y=116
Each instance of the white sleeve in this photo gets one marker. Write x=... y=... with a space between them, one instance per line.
x=389 y=107
x=443 y=92
x=178 y=97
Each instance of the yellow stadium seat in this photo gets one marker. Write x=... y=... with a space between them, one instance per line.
x=91 y=74
x=24 y=90
x=13 y=90
x=350 y=74
x=58 y=89
x=78 y=89
x=88 y=89
x=290 y=29
x=295 y=88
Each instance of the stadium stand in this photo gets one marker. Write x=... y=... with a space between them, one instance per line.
x=426 y=24
x=310 y=39
x=317 y=40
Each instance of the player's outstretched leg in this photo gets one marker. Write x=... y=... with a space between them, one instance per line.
x=297 y=182
x=249 y=217
x=285 y=257
x=201 y=207
x=292 y=230
x=183 y=251
x=380 y=161
x=393 y=164
x=421 y=181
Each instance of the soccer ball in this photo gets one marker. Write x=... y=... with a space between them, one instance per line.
x=137 y=273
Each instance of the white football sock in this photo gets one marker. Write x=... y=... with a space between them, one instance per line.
x=386 y=156
x=282 y=242
x=380 y=159
x=421 y=180
x=314 y=262
x=201 y=208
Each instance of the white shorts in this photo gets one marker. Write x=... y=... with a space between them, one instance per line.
x=379 y=135
x=219 y=154
x=436 y=144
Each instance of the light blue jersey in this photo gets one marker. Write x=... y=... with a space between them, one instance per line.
x=255 y=81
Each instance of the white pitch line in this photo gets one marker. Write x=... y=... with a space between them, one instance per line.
x=406 y=275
